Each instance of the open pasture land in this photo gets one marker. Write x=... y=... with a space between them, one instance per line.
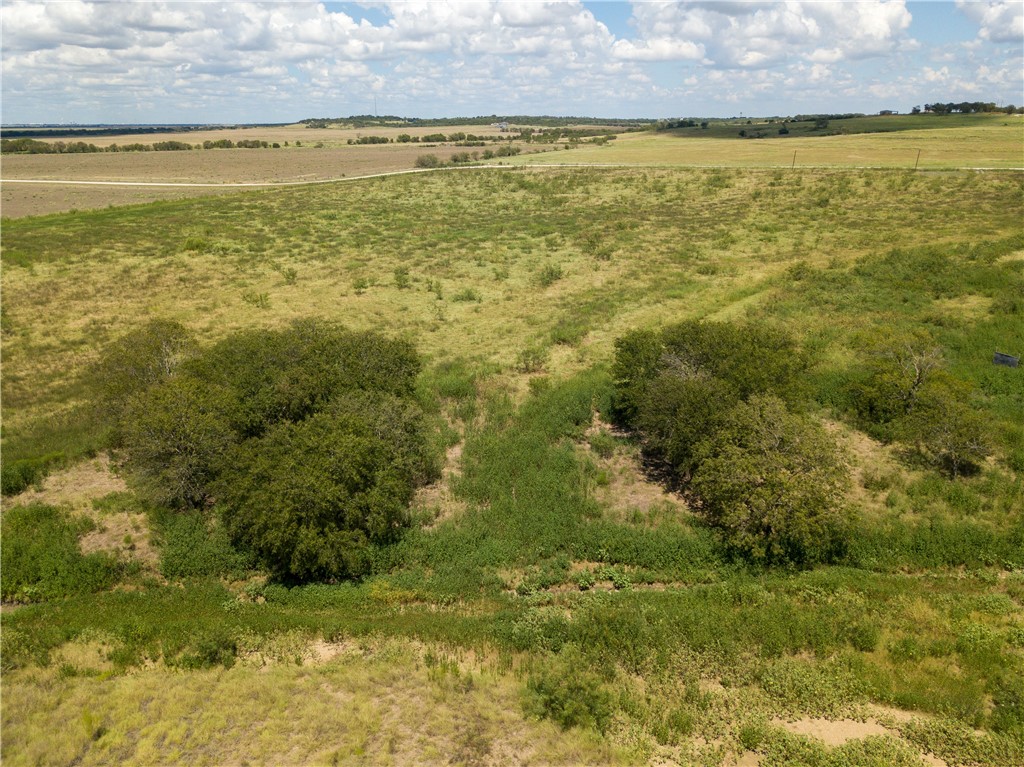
x=620 y=248
x=988 y=143
x=969 y=142
x=213 y=166
x=335 y=135
x=311 y=154
x=552 y=602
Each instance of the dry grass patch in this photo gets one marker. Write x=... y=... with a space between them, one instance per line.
x=625 y=488
x=80 y=489
x=390 y=706
x=75 y=487
x=991 y=143
x=436 y=501
x=874 y=468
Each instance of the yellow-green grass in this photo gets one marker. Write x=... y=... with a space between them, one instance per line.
x=375 y=702
x=482 y=265
x=991 y=143
x=972 y=141
x=307 y=137
x=633 y=248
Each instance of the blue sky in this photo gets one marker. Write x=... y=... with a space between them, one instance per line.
x=92 y=61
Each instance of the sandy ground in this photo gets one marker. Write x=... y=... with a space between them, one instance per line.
x=124 y=533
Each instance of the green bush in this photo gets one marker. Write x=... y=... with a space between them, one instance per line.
x=898 y=366
x=549 y=275
x=174 y=435
x=193 y=546
x=17 y=476
x=41 y=560
x=210 y=648
x=570 y=694
x=773 y=482
x=637 y=357
x=310 y=498
x=287 y=375
x=677 y=414
x=946 y=428
x=308 y=438
x=428 y=161
x=140 y=359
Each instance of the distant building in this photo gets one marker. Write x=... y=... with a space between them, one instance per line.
x=888 y=112
x=503 y=127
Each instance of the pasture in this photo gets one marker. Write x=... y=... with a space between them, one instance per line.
x=318 y=154
x=554 y=600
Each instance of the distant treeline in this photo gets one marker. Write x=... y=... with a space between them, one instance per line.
x=32 y=146
x=550 y=136
x=965 y=108
x=86 y=131
x=545 y=121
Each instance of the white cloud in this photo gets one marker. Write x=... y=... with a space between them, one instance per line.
x=119 y=58
x=658 y=49
x=1001 y=21
x=755 y=35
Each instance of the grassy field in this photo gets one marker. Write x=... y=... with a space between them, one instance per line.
x=966 y=141
x=554 y=602
x=988 y=143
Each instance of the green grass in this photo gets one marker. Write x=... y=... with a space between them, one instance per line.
x=551 y=568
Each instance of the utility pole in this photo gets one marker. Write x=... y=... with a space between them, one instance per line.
x=918 y=159
x=794 y=160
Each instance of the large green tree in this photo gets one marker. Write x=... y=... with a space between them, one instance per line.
x=308 y=440
x=310 y=498
x=774 y=481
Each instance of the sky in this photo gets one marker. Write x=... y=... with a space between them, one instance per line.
x=209 y=61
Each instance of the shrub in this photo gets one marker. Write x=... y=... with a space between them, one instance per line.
x=749 y=359
x=570 y=694
x=174 y=435
x=899 y=366
x=140 y=359
x=214 y=647
x=16 y=476
x=637 y=356
x=945 y=427
x=753 y=358
x=307 y=437
x=287 y=375
x=41 y=560
x=677 y=413
x=549 y=275
x=428 y=160
x=310 y=498
x=773 y=482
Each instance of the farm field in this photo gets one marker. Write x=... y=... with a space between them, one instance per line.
x=990 y=143
x=554 y=600
x=971 y=142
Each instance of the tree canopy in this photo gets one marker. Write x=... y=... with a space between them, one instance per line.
x=307 y=441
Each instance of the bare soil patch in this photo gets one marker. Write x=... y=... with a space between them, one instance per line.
x=437 y=498
x=76 y=486
x=626 y=486
x=837 y=732
x=124 y=533
x=834 y=733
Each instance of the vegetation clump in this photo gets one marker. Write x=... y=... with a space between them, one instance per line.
x=307 y=441
x=710 y=399
x=41 y=559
